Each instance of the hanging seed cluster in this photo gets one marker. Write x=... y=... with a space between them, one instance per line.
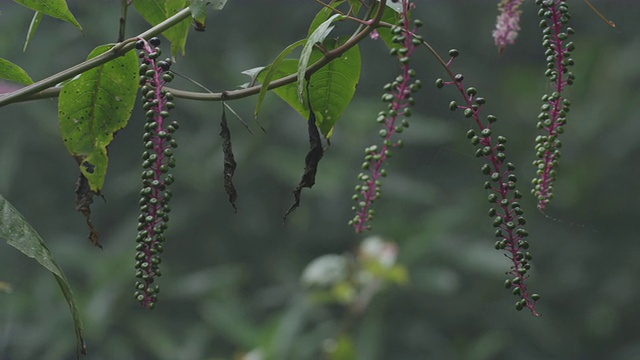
x=505 y=210
x=553 y=116
x=399 y=97
x=157 y=161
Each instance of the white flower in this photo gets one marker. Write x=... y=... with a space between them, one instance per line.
x=384 y=252
x=325 y=271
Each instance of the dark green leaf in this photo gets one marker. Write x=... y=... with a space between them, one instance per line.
x=12 y=72
x=35 y=22
x=156 y=11
x=93 y=107
x=19 y=234
x=54 y=8
x=331 y=88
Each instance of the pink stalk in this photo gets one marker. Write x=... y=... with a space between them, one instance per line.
x=398 y=95
x=554 y=110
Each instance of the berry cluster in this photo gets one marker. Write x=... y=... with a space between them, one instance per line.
x=398 y=95
x=157 y=161
x=505 y=209
x=553 y=117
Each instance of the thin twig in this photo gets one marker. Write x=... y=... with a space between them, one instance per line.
x=45 y=88
x=124 y=5
x=115 y=52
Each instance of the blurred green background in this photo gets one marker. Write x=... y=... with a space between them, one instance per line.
x=231 y=281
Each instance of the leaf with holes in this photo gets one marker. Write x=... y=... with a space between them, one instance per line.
x=331 y=88
x=19 y=234
x=54 y=8
x=95 y=106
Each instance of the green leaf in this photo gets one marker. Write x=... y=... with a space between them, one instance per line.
x=322 y=16
x=391 y=16
x=199 y=10
x=253 y=74
x=180 y=31
x=331 y=88
x=395 y=6
x=35 y=22
x=54 y=8
x=344 y=349
x=12 y=72
x=156 y=11
x=19 y=234
x=95 y=106
x=355 y=6
x=266 y=79
x=398 y=274
x=318 y=36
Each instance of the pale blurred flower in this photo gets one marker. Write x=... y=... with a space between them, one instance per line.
x=383 y=252
x=326 y=270
x=6 y=87
x=255 y=354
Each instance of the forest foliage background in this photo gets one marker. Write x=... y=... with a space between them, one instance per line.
x=231 y=281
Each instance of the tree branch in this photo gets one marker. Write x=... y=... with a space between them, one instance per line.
x=118 y=50
x=43 y=89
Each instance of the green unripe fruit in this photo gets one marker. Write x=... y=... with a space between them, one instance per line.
x=167 y=77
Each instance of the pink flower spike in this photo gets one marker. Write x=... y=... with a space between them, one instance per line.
x=374 y=35
x=508 y=23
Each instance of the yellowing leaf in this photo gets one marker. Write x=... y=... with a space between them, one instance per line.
x=95 y=106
